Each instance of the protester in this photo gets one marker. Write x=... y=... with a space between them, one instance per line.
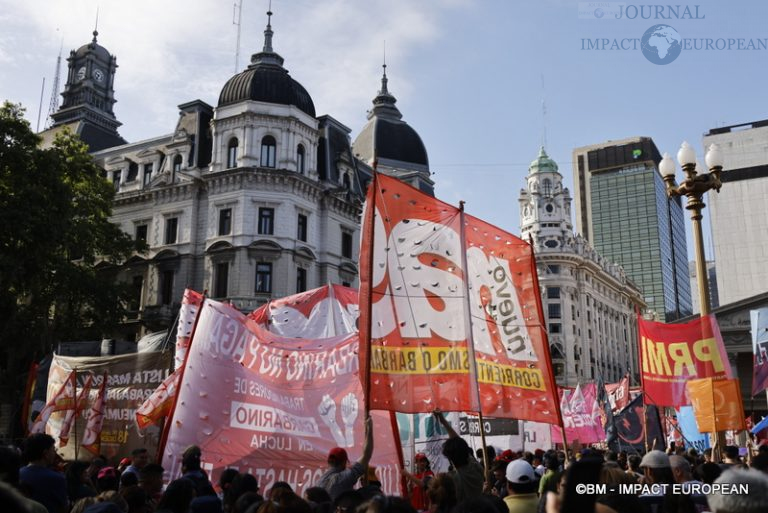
x=338 y=478
x=467 y=473
x=205 y=504
x=46 y=486
x=78 y=482
x=418 y=481
x=137 y=499
x=318 y=498
x=614 y=477
x=128 y=479
x=731 y=457
x=151 y=481
x=499 y=476
x=386 y=504
x=107 y=480
x=633 y=468
x=10 y=462
x=521 y=487
x=177 y=496
x=708 y=472
x=139 y=460
x=756 y=501
x=347 y=501
x=191 y=469
x=551 y=477
x=225 y=481
x=441 y=493
x=370 y=486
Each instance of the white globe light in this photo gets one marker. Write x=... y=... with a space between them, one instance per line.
x=667 y=165
x=686 y=155
x=714 y=157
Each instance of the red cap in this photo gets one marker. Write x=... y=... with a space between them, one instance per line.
x=338 y=456
x=107 y=472
x=125 y=461
x=420 y=456
x=507 y=455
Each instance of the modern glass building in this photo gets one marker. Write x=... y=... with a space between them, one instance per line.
x=623 y=210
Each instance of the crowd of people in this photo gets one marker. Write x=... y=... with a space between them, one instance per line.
x=35 y=480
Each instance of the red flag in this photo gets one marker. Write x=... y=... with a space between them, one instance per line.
x=82 y=399
x=187 y=315
x=92 y=435
x=673 y=354
x=618 y=393
x=158 y=405
x=63 y=399
x=414 y=288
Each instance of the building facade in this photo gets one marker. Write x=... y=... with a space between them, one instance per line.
x=623 y=210
x=714 y=297
x=589 y=303
x=255 y=198
x=737 y=213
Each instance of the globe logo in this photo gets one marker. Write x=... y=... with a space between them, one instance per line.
x=661 y=44
x=599 y=13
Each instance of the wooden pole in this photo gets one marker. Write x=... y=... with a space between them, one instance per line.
x=470 y=337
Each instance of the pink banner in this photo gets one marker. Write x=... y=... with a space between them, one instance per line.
x=187 y=315
x=273 y=406
x=581 y=416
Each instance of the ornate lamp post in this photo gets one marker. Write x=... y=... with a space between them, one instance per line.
x=693 y=187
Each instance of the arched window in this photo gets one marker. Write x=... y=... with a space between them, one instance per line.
x=300 y=159
x=345 y=181
x=232 y=153
x=547 y=187
x=268 y=148
x=177 y=163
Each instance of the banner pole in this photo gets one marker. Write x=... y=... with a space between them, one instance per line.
x=369 y=321
x=172 y=412
x=547 y=355
x=470 y=336
x=77 y=403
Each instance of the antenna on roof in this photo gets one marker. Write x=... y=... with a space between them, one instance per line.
x=384 y=74
x=237 y=16
x=96 y=26
x=53 y=106
x=543 y=113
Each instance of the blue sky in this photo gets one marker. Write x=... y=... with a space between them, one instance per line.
x=467 y=75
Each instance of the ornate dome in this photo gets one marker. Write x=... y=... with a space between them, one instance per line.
x=94 y=48
x=386 y=135
x=266 y=80
x=542 y=164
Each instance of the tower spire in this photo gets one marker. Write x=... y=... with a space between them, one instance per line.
x=384 y=74
x=96 y=25
x=268 y=32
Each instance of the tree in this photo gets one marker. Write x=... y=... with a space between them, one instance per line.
x=58 y=248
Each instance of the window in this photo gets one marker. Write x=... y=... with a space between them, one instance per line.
x=221 y=280
x=346 y=181
x=171 y=230
x=555 y=327
x=177 y=163
x=232 y=153
x=553 y=269
x=300 y=159
x=553 y=292
x=346 y=244
x=547 y=187
x=268 y=149
x=301 y=280
x=147 y=173
x=263 y=277
x=137 y=283
x=554 y=310
x=225 y=222
x=301 y=230
x=266 y=221
x=116 y=179
x=141 y=232
x=166 y=287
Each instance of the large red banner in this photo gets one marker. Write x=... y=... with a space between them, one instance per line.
x=273 y=406
x=672 y=354
x=581 y=415
x=426 y=279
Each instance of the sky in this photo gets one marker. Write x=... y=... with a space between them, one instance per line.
x=483 y=82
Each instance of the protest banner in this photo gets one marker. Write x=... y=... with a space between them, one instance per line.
x=619 y=393
x=717 y=404
x=95 y=420
x=692 y=437
x=272 y=406
x=60 y=398
x=318 y=313
x=634 y=433
x=131 y=379
x=673 y=354
x=759 y=328
x=190 y=304
x=418 y=263
x=581 y=415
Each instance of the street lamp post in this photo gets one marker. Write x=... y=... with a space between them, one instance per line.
x=693 y=187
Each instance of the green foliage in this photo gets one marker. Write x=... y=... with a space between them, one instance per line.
x=58 y=249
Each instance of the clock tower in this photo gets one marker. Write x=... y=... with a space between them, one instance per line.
x=89 y=96
x=545 y=205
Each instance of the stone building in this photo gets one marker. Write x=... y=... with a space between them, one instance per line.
x=589 y=303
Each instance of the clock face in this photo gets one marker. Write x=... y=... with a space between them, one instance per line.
x=98 y=75
x=81 y=73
